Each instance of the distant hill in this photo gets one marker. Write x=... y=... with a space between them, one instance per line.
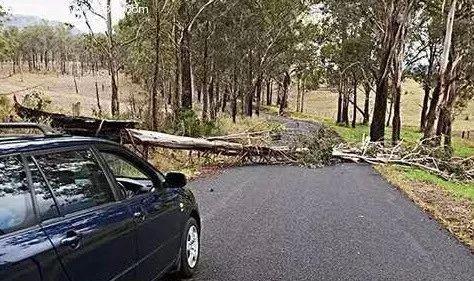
x=21 y=21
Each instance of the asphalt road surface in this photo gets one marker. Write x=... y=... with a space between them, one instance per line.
x=336 y=223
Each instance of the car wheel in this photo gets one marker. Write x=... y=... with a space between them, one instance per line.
x=190 y=249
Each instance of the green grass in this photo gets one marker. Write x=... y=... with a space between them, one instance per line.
x=410 y=135
x=464 y=190
x=463 y=148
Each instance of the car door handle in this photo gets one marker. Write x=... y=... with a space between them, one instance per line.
x=73 y=240
x=139 y=216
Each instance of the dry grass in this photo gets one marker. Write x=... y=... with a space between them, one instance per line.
x=452 y=208
x=61 y=90
x=323 y=103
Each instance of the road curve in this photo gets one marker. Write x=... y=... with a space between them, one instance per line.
x=336 y=223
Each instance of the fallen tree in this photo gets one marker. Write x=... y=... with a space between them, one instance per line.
x=421 y=156
x=81 y=126
x=252 y=152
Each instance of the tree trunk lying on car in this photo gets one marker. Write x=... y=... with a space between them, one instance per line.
x=79 y=126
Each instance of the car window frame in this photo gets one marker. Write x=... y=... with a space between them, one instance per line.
x=62 y=215
x=157 y=178
x=36 y=221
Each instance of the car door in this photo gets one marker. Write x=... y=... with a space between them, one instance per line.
x=157 y=211
x=94 y=235
x=26 y=253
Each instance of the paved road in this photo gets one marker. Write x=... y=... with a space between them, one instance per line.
x=334 y=223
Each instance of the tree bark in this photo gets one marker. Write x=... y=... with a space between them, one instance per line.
x=354 y=110
x=345 y=109
x=176 y=97
x=393 y=37
x=156 y=73
x=250 y=88
x=427 y=86
x=339 y=108
x=186 y=82
x=303 y=91
x=367 y=89
x=211 y=105
x=204 y=83
x=442 y=83
x=269 y=92
x=298 y=95
x=284 y=96
x=259 y=95
x=112 y=64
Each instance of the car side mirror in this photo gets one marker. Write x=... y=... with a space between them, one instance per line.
x=175 y=180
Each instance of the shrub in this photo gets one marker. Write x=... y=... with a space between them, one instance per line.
x=320 y=145
x=187 y=123
x=37 y=100
x=5 y=108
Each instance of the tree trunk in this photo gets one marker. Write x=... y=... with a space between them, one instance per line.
x=446 y=109
x=397 y=87
x=204 y=85
x=298 y=95
x=259 y=95
x=156 y=73
x=269 y=92
x=393 y=38
x=377 y=128
x=354 y=113
x=186 y=82
x=218 y=98
x=424 y=109
x=390 y=110
x=233 y=105
x=176 y=97
x=396 y=121
x=284 y=95
x=225 y=97
x=211 y=100
x=303 y=92
x=339 y=108
x=442 y=83
x=427 y=86
x=75 y=85
x=367 y=103
x=345 y=109
x=112 y=64
x=250 y=88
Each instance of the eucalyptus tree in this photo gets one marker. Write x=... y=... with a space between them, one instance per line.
x=455 y=72
x=103 y=11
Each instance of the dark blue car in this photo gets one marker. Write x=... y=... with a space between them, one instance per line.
x=86 y=209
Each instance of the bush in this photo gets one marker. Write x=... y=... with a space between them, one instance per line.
x=187 y=123
x=37 y=100
x=320 y=145
x=5 y=108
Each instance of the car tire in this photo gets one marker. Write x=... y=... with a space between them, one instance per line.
x=190 y=249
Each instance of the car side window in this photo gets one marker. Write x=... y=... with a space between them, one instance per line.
x=16 y=206
x=76 y=179
x=132 y=179
x=122 y=168
x=44 y=197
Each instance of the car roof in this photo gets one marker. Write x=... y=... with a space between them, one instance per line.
x=22 y=144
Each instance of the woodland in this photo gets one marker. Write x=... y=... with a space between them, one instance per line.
x=208 y=58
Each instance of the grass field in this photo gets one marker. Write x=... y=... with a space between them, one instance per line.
x=60 y=89
x=323 y=104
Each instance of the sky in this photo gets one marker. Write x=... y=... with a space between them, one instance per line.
x=58 y=10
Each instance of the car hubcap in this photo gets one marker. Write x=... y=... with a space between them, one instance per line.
x=192 y=246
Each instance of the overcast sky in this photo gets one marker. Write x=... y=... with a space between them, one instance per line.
x=58 y=10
